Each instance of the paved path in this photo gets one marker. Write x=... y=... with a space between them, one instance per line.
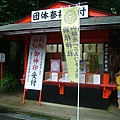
x=13 y=101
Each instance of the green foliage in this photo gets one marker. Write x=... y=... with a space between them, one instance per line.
x=110 y=6
x=9 y=82
x=13 y=10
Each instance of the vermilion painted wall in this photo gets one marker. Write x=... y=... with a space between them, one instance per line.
x=56 y=37
x=85 y=36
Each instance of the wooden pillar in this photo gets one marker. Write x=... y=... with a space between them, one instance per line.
x=1 y=70
x=26 y=43
x=105 y=78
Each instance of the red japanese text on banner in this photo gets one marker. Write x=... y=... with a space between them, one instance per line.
x=36 y=60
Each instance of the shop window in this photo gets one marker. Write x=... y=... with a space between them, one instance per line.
x=54 y=48
x=51 y=48
x=60 y=48
x=81 y=51
x=93 y=55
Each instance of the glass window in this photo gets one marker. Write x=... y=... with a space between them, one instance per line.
x=51 y=48
x=81 y=52
x=93 y=55
x=60 y=48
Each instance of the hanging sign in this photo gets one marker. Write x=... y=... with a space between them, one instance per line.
x=70 y=34
x=2 y=57
x=36 y=60
x=106 y=56
x=55 y=14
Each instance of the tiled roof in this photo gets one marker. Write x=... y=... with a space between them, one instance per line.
x=52 y=26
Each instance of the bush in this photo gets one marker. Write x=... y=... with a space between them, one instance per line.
x=9 y=82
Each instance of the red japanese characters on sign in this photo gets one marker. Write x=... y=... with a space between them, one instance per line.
x=35 y=68
x=37 y=43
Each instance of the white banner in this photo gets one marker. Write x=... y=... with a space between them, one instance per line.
x=36 y=60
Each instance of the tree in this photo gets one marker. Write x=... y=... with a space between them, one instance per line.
x=12 y=10
x=111 y=6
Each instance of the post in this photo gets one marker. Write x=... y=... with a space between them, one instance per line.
x=1 y=70
x=78 y=103
x=40 y=96
x=23 y=98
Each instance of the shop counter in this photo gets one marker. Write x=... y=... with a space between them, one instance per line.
x=87 y=80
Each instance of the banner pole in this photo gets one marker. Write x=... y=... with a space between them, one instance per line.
x=78 y=100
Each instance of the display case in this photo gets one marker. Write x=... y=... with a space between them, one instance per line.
x=85 y=78
x=51 y=76
x=82 y=78
x=63 y=77
x=93 y=78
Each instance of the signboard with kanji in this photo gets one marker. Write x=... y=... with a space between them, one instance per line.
x=2 y=57
x=36 y=60
x=106 y=56
x=55 y=14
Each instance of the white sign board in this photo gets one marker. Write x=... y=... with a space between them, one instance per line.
x=82 y=78
x=66 y=77
x=96 y=79
x=36 y=60
x=2 y=57
x=64 y=66
x=55 y=14
x=54 y=76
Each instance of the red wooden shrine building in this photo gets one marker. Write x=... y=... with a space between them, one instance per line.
x=98 y=53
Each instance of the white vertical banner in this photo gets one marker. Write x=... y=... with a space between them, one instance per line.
x=36 y=60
